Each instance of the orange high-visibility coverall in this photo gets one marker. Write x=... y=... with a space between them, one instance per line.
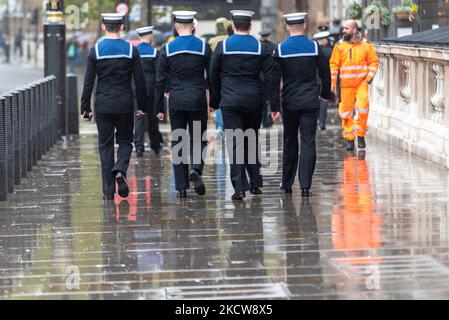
x=356 y=63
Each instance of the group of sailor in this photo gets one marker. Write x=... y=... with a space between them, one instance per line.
x=239 y=75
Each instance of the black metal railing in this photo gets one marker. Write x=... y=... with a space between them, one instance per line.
x=29 y=127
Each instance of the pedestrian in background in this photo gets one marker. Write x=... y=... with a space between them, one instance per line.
x=267 y=121
x=355 y=62
x=323 y=40
x=149 y=56
x=221 y=30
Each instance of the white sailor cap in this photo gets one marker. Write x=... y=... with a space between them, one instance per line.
x=112 y=18
x=145 y=31
x=322 y=35
x=184 y=16
x=243 y=15
x=295 y=18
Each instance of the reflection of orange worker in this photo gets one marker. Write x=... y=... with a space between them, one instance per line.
x=356 y=62
x=356 y=225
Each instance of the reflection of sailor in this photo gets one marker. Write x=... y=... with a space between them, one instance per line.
x=149 y=56
x=115 y=63
x=183 y=67
x=237 y=90
x=299 y=61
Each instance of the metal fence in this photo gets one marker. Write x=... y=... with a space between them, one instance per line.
x=28 y=128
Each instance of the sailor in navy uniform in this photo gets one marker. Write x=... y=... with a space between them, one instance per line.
x=298 y=62
x=238 y=91
x=183 y=69
x=114 y=63
x=267 y=122
x=148 y=56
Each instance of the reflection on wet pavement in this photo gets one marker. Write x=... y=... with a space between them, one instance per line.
x=377 y=227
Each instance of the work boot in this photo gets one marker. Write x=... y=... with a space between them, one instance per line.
x=349 y=145
x=198 y=183
x=139 y=153
x=123 y=189
x=361 y=142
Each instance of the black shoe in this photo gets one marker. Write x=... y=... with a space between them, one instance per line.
x=139 y=153
x=182 y=194
x=287 y=190
x=238 y=196
x=305 y=193
x=108 y=196
x=123 y=189
x=349 y=145
x=198 y=183
x=256 y=191
x=323 y=127
x=361 y=142
x=157 y=151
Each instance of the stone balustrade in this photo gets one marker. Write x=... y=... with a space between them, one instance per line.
x=409 y=98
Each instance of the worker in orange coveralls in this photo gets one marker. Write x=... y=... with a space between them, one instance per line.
x=356 y=226
x=356 y=62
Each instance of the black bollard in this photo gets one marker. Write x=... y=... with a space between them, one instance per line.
x=3 y=153
x=55 y=122
x=9 y=141
x=16 y=129
x=23 y=130
x=33 y=117
x=72 y=104
x=28 y=137
x=40 y=119
x=47 y=116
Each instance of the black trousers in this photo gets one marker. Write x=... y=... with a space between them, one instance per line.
x=323 y=112
x=243 y=118
x=118 y=127
x=180 y=121
x=153 y=129
x=305 y=122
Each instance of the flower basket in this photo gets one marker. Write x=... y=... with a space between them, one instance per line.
x=402 y=15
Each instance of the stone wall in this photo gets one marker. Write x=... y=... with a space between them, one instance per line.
x=408 y=101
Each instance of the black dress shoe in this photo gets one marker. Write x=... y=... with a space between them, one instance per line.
x=182 y=194
x=238 y=196
x=139 y=153
x=287 y=190
x=108 y=196
x=256 y=191
x=361 y=142
x=198 y=183
x=157 y=151
x=349 y=145
x=305 y=193
x=323 y=127
x=123 y=189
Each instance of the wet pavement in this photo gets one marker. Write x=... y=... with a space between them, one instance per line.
x=377 y=227
x=14 y=76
